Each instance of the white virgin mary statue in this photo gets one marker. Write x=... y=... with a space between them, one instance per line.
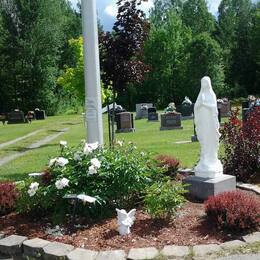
x=207 y=129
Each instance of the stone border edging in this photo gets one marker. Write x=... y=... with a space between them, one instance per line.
x=17 y=247
x=249 y=187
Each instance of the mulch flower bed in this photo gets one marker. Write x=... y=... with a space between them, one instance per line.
x=190 y=227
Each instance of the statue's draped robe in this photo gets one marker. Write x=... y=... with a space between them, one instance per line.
x=207 y=129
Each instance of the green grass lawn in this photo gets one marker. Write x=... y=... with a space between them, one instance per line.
x=147 y=137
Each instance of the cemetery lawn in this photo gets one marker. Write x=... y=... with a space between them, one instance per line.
x=147 y=137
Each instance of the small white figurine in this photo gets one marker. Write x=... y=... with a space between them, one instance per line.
x=207 y=128
x=125 y=221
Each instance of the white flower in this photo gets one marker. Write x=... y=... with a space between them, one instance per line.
x=94 y=146
x=142 y=153
x=134 y=147
x=86 y=198
x=89 y=148
x=92 y=170
x=33 y=188
x=52 y=162
x=61 y=161
x=96 y=163
x=63 y=143
x=60 y=184
x=120 y=143
x=77 y=157
x=31 y=192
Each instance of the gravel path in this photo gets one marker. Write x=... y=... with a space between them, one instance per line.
x=35 y=145
x=19 y=138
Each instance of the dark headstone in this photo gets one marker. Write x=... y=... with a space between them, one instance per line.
x=152 y=114
x=186 y=108
x=16 y=117
x=125 y=122
x=171 y=121
x=40 y=114
x=3 y=118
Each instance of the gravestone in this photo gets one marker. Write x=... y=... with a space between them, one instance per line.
x=152 y=114
x=171 y=121
x=16 y=117
x=186 y=109
x=142 y=110
x=225 y=109
x=3 y=118
x=125 y=122
x=39 y=114
x=118 y=109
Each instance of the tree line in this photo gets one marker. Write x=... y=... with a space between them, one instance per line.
x=158 y=59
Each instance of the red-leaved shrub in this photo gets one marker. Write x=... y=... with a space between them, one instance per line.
x=242 y=146
x=169 y=163
x=234 y=210
x=8 y=197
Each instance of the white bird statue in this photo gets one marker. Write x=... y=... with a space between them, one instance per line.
x=125 y=221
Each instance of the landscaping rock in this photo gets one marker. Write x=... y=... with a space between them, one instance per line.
x=241 y=257
x=34 y=247
x=143 y=253
x=12 y=245
x=111 y=255
x=2 y=235
x=80 y=254
x=56 y=251
x=202 y=250
x=252 y=238
x=232 y=244
x=175 y=251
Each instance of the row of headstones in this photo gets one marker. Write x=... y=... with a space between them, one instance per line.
x=17 y=116
x=170 y=119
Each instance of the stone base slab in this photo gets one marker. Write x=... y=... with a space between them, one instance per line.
x=202 y=188
x=125 y=130
x=170 y=127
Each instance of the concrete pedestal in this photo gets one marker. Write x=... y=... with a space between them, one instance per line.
x=202 y=188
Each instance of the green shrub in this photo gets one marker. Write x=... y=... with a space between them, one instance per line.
x=115 y=177
x=164 y=198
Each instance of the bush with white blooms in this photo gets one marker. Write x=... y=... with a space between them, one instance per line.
x=102 y=178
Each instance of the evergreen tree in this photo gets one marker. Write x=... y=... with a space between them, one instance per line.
x=234 y=25
x=165 y=53
x=196 y=15
x=205 y=59
x=32 y=49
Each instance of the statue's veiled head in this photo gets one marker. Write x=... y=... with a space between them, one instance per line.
x=206 y=84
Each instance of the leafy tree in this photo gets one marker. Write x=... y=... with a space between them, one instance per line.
x=32 y=51
x=121 y=55
x=165 y=53
x=196 y=15
x=205 y=59
x=255 y=51
x=73 y=77
x=234 y=23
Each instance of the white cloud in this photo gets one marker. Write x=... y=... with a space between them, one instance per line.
x=147 y=5
x=111 y=10
x=213 y=6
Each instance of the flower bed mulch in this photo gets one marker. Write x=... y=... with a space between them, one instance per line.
x=188 y=228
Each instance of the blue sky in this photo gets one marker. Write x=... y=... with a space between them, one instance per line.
x=107 y=10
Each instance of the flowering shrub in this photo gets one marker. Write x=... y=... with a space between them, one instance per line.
x=8 y=197
x=169 y=163
x=234 y=210
x=164 y=198
x=242 y=146
x=111 y=177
